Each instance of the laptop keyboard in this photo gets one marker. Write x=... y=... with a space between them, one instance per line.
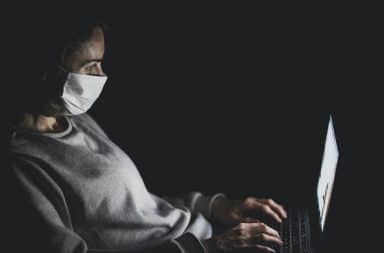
x=295 y=232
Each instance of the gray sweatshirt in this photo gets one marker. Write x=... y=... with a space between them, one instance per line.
x=84 y=194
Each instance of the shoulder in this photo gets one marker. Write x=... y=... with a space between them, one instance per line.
x=23 y=164
x=32 y=175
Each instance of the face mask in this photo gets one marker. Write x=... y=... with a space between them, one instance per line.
x=81 y=91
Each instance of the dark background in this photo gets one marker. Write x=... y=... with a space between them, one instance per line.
x=217 y=101
x=223 y=104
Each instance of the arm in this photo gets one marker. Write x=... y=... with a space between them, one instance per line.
x=195 y=201
x=38 y=219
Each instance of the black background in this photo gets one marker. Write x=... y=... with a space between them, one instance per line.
x=225 y=101
x=218 y=103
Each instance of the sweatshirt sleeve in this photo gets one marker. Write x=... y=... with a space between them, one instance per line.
x=38 y=220
x=196 y=202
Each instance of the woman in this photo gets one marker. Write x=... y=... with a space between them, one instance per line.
x=79 y=192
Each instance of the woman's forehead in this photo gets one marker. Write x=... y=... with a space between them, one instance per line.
x=91 y=49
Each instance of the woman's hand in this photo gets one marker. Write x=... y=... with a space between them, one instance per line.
x=257 y=236
x=236 y=211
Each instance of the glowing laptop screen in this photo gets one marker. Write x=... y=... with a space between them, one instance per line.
x=327 y=173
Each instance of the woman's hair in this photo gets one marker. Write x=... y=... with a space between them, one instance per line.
x=41 y=47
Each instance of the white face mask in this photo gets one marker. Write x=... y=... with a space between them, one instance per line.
x=81 y=91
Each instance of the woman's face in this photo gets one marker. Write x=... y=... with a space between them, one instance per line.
x=86 y=59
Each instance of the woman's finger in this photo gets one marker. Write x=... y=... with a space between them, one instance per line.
x=265 y=208
x=266 y=239
x=274 y=206
x=262 y=248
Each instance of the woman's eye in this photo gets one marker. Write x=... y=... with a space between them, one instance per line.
x=93 y=68
x=90 y=67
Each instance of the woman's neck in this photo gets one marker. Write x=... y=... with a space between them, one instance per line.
x=41 y=123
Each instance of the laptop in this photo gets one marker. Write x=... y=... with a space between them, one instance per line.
x=301 y=231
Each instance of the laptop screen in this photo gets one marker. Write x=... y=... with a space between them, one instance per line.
x=327 y=173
